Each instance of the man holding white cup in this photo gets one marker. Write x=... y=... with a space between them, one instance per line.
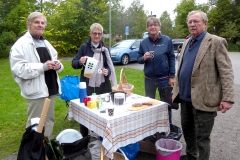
x=35 y=68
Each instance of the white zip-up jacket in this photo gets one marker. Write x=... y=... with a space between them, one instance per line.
x=27 y=68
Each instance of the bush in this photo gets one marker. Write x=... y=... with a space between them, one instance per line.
x=6 y=39
x=233 y=47
x=5 y=52
x=64 y=49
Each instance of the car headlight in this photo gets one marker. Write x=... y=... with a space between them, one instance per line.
x=115 y=53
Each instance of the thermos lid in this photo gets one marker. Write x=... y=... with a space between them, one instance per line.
x=119 y=95
x=82 y=85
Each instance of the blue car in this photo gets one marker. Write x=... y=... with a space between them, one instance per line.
x=125 y=51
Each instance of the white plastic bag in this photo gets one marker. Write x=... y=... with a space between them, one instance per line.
x=94 y=148
x=167 y=146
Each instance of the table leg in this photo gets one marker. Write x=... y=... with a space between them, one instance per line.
x=158 y=136
x=101 y=152
x=102 y=157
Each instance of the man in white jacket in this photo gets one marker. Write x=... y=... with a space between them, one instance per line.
x=35 y=68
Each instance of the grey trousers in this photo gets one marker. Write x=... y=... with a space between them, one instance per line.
x=35 y=109
x=197 y=127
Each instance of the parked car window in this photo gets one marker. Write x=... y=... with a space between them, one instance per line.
x=123 y=44
x=136 y=44
x=177 y=43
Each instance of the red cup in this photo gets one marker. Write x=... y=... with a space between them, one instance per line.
x=86 y=100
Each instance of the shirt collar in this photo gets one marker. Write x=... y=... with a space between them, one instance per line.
x=159 y=37
x=200 y=36
x=95 y=45
x=41 y=37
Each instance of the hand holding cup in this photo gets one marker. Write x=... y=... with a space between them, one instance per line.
x=83 y=60
x=56 y=65
x=149 y=54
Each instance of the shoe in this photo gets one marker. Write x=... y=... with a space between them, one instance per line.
x=183 y=157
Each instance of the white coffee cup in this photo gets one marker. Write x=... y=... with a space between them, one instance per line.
x=90 y=67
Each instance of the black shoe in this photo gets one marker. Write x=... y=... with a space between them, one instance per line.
x=183 y=157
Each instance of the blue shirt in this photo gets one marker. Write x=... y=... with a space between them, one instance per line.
x=185 y=72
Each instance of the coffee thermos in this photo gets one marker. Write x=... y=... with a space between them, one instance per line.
x=82 y=91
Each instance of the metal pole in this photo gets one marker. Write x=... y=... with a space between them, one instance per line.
x=110 y=19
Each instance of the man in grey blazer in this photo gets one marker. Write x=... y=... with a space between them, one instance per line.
x=203 y=85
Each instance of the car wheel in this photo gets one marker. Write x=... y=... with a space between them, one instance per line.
x=125 y=59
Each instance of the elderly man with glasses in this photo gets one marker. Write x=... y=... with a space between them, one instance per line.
x=204 y=85
x=35 y=67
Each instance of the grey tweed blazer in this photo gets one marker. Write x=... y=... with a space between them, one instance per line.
x=212 y=75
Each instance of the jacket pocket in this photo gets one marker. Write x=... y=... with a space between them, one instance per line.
x=30 y=87
x=212 y=95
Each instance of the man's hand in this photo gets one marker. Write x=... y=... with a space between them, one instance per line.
x=50 y=64
x=224 y=106
x=171 y=81
x=146 y=56
x=57 y=65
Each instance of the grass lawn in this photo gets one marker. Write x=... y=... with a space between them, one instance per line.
x=13 y=107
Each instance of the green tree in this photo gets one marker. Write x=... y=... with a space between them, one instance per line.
x=182 y=11
x=230 y=31
x=6 y=6
x=12 y=22
x=136 y=19
x=178 y=32
x=17 y=18
x=117 y=21
x=224 y=20
x=166 y=23
x=70 y=22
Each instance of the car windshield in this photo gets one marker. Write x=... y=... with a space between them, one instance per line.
x=122 y=44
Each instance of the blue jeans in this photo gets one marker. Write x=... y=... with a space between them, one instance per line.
x=150 y=90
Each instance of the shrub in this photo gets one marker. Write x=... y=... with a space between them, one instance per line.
x=233 y=47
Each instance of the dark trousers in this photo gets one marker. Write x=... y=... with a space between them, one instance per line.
x=151 y=85
x=197 y=127
x=83 y=130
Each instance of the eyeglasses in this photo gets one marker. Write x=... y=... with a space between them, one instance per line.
x=96 y=34
x=153 y=25
x=194 y=22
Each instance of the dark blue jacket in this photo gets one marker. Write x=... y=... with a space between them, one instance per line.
x=163 y=63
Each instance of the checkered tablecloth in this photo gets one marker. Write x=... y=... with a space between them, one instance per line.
x=124 y=127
